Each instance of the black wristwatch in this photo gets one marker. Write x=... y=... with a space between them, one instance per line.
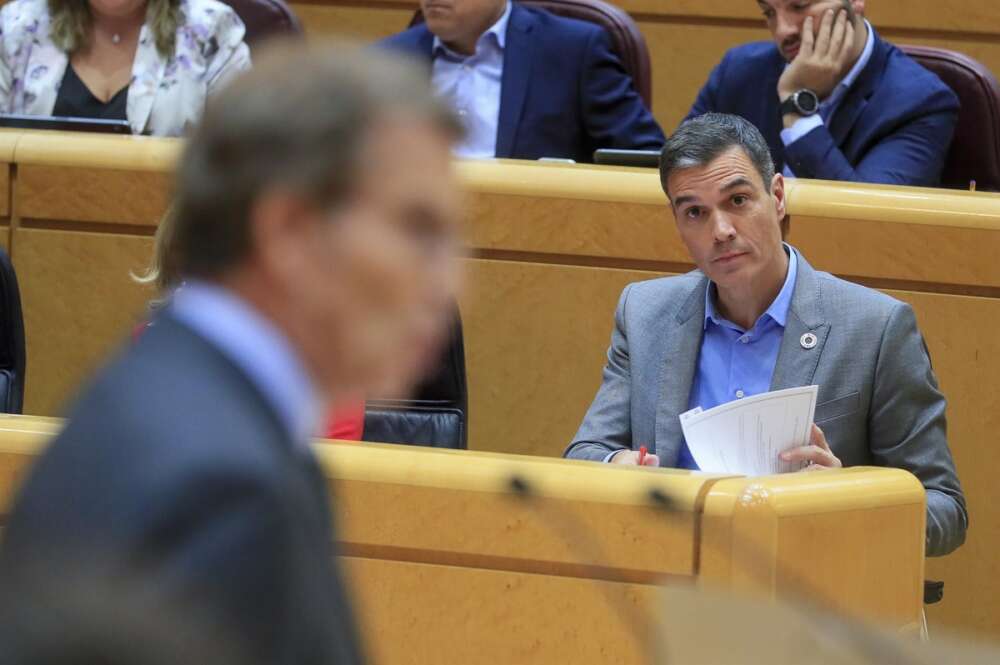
x=803 y=102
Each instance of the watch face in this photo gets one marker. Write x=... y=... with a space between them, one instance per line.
x=807 y=102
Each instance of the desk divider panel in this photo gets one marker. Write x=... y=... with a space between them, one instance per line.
x=443 y=558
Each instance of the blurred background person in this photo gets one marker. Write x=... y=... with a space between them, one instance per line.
x=152 y=63
x=527 y=83
x=316 y=223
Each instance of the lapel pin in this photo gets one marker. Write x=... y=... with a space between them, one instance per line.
x=808 y=341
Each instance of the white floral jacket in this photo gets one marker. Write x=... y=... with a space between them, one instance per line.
x=165 y=96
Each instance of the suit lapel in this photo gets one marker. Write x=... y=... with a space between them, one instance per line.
x=856 y=100
x=770 y=111
x=518 y=62
x=679 y=362
x=797 y=361
x=425 y=43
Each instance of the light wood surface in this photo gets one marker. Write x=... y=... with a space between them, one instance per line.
x=551 y=248
x=773 y=535
x=443 y=558
x=687 y=38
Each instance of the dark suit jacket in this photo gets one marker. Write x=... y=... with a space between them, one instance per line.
x=564 y=92
x=174 y=468
x=893 y=126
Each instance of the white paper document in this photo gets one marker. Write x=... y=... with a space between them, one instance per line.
x=747 y=435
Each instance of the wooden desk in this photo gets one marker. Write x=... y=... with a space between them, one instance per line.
x=443 y=558
x=551 y=249
x=687 y=38
x=554 y=246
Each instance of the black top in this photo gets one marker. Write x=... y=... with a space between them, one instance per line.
x=75 y=100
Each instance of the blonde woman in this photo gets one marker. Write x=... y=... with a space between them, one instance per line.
x=150 y=62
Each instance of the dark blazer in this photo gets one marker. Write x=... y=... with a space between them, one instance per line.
x=564 y=92
x=878 y=403
x=173 y=467
x=893 y=126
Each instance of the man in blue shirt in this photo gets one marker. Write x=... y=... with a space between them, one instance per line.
x=528 y=84
x=756 y=316
x=833 y=99
x=315 y=223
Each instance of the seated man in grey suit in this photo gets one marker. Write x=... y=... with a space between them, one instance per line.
x=756 y=316
x=316 y=222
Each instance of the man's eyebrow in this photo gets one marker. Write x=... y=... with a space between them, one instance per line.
x=681 y=200
x=736 y=182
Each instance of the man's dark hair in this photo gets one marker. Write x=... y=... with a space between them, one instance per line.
x=299 y=120
x=701 y=140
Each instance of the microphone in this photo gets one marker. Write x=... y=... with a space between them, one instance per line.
x=869 y=643
x=570 y=529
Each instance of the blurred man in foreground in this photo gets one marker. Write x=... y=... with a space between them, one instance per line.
x=316 y=224
x=755 y=317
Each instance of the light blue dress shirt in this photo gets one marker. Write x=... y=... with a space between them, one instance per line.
x=473 y=86
x=255 y=346
x=829 y=106
x=734 y=363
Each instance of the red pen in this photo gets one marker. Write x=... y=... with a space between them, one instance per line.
x=642 y=454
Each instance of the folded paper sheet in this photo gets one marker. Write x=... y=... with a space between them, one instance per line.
x=746 y=436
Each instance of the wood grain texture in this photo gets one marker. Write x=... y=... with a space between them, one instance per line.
x=78 y=302
x=82 y=194
x=414 y=607
x=365 y=23
x=413 y=613
x=4 y=190
x=490 y=526
x=96 y=151
x=771 y=535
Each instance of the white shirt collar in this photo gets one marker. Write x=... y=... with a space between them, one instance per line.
x=497 y=31
x=258 y=348
x=866 y=56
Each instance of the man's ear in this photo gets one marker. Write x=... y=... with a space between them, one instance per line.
x=778 y=194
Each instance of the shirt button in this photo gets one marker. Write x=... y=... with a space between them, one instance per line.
x=462 y=112
x=740 y=394
x=745 y=339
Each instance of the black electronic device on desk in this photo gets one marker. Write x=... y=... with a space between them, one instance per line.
x=65 y=124
x=647 y=159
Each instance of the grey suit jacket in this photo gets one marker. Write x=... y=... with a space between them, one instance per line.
x=878 y=403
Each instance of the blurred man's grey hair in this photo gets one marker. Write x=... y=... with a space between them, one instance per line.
x=299 y=120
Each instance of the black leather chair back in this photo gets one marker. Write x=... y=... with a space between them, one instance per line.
x=12 y=363
x=437 y=415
